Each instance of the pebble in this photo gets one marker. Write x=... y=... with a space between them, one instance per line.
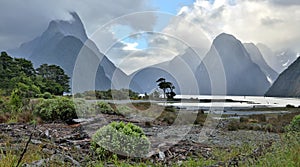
x=161 y=155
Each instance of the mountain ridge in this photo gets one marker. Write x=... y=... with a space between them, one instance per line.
x=228 y=62
x=243 y=65
x=288 y=82
x=61 y=44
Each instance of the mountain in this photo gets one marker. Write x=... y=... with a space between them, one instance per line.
x=279 y=60
x=228 y=69
x=258 y=59
x=243 y=74
x=66 y=44
x=180 y=71
x=56 y=28
x=288 y=82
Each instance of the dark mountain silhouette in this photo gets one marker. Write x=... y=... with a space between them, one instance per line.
x=61 y=44
x=288 y=82
x=228 y=57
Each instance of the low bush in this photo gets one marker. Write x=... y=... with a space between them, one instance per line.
x=15 y=102
x=170 y=108
x=283 y=153
x=168 y=117
x=142 y=106
x=47 y=95
x=290 y=106
x=201 y=118
x=105 y=108
x=233 y=125
x=295 y=124
x=124 y=110
x=84 y=108
x=269 y=128
x=244 y=119
x=3 y=104
x=121 y=139
x=60 y=108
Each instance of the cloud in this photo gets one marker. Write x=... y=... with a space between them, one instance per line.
x=164 y=45
x=143 y=58
x=286 y=2
x=131 y=46
x=23 y=20
x=249 y=20
x=270 y=21
x=129 y=57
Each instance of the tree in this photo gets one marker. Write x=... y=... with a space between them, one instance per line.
x=54 y=79
x=12 y=70
x=25 y=66
x=19 y=73
x=171 y=93
x=25 y=85
x=7 y=71
x=165 y=86
x=162 y=85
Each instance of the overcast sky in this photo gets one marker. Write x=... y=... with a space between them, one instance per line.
x=272 y=22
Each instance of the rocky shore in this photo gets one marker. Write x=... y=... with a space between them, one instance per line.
x=70 y=144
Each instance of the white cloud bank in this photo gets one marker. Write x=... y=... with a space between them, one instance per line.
x=272 y=22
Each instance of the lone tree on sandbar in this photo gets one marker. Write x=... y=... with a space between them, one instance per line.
x=167 y=87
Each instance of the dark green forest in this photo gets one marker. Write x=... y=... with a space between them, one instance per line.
x=18 y=75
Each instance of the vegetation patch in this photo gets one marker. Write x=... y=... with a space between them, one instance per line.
x=105 y=108
x=123 y=139
x=265 y=122
x=295 y=124
x=60 y=108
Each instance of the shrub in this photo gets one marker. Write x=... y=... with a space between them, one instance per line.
x=244 y=119
x=255 y=126
x=60 y=108
x=84 y=108
x=201 y=118
x=283 y=153
x=167 y=116
x=105 y=108
x=15 y=100
x=295 y=124
x=290 y=106
x=120 y=138
x=3 y=104
x=124 y=110
x=142 y=105
x=170 y=108
x=47 y=95
x=269 y=128
x=233 y=125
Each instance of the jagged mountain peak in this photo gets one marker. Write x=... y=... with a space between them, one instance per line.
x=56 y=29
x=62 y=43
x=73 y=27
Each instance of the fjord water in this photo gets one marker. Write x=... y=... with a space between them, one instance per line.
x=231 y=102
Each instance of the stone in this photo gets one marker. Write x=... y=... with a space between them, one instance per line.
x=33 y=141
x=161 y=155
